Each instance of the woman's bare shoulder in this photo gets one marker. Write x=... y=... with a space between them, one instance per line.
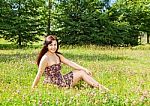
x=60 y=55
x=44 y=58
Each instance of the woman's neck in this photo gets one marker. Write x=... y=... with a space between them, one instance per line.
x=50 y=53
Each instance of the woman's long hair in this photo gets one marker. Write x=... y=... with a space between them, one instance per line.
x=48 y=40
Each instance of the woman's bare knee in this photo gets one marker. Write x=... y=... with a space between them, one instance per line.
x=79 y=72
x=83 y=73
x=76 y=77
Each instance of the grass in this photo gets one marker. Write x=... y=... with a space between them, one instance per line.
x=125 y=71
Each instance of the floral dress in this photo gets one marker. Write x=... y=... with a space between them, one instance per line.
x=54 y=76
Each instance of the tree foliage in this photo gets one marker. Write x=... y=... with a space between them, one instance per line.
x=134 y=12
x=80 y=21
x=76 y=21
x=96 y=22
x=21 y=20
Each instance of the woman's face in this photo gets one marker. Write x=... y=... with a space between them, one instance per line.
x=53 y=46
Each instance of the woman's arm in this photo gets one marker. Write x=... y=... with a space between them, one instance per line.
x=41 y=69
x=73 y=64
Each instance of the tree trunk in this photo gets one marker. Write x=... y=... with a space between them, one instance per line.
x=49 y=13
x=148 y=38
x=19 y=40
x=19 y=14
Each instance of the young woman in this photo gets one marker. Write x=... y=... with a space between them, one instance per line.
x=49 y=61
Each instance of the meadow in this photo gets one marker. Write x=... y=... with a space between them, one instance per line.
x=125 y=71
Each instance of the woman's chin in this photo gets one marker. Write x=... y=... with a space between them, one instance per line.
x=53 y=51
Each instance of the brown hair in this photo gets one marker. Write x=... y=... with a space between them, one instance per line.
x=48 y=40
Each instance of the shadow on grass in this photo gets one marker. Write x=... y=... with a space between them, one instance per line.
x=101 y=57
x=86 y=57
x=16 y=57
x=8 y=46
x=13 y=46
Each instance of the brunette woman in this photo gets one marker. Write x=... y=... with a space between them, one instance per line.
x=49 y=61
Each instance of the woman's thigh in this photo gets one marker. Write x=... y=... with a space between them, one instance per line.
x=77 y=76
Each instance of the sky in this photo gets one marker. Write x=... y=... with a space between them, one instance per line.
x=112 y=1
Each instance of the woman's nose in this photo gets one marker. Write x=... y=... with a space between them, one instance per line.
x=53 y=46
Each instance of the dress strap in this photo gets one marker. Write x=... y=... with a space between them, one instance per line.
x=58 y=57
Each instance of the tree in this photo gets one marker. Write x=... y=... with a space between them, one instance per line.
x=21 y=21
x=136 y=13
x=79 y=21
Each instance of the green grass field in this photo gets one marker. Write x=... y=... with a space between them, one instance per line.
x=125 y=71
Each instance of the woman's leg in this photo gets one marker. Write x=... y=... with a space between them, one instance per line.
x=78 y=75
